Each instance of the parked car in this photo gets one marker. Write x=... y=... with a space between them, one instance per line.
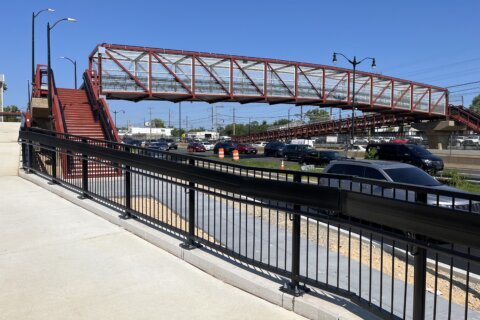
x=472 y=141
x=360 y=140
x=392 y=172
x=246 y=148
x=415 y=139
x=195 y=147
x=162 y=146
x=320 y=157
x=460 y=139
x=274 y=149
x=377 y=139
x=207 y=145
x=408 y=153
x=260 y=143
x=227 y=146
x=357 y=148
x=171 y=144
x=295 y=151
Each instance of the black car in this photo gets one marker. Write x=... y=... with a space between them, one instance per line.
x=295 y=151
x=274 y=149
x=320 y=157
x=408 y=153
x=227 y=146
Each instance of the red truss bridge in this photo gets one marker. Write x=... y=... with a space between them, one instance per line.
x=141 y=73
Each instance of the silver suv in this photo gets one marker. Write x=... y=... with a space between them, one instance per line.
x=391 y=172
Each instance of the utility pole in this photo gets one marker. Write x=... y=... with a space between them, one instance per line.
x=186 y=123
x=212 y=118
x=233 y=121
x=301 y=114
x=169 y=117
x=249 y=124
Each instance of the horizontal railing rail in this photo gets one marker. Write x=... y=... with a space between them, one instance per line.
x=360 y=238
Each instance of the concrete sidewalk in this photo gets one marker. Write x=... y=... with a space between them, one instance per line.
x=59 y=261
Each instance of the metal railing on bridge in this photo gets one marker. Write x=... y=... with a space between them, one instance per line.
x=400 y=250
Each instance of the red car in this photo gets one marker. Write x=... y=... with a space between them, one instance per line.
x=195 y=147
x=246 y=148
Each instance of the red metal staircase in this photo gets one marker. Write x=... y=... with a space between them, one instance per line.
x=465 y=116
x=78 y=114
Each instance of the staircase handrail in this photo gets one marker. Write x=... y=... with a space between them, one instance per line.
x=100 y=105
x=466 y=116
x=57 y=110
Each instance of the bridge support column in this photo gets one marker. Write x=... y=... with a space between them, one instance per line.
x=438 y=132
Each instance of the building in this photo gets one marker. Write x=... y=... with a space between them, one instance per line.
x=161 y=132
x=203 y=135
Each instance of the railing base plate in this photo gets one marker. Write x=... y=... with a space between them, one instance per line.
x=189 y=246
x=293 y=289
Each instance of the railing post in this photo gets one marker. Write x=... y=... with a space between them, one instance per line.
x=128 y=191
x=190 y=243
x=30 y=156
x=419 y=272
x=419 y=282
x=84 y=173
x=54 y=166
x=293 y=287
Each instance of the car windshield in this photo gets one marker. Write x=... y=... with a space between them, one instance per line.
x=412 y=176
x=472 y=137
x=419 y=151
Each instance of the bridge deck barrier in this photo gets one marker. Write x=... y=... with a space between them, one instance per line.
x=386 y=246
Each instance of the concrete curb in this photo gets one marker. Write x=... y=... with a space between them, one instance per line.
x=318 y=306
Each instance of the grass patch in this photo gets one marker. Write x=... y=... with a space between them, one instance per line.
x=458 y=180
x=274 y=164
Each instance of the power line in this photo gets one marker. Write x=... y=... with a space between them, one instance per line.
x=463 y=84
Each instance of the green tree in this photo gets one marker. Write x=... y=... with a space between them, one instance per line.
x=11 y=108
x=196 y=129
x=280 y=122
x=475 y=106
x=177 y=133
x=316 y=115
x=158 y=123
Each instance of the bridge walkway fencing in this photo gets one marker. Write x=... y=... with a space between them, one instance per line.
x=402 y=251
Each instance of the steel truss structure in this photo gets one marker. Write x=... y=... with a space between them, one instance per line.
x=330 y=127
x=138 y=73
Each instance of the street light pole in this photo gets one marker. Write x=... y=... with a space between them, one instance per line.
x=354 y=63
x=34 y=15
x=49 y=73
x=74 y=69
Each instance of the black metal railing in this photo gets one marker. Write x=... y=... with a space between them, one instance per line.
x=389 y=247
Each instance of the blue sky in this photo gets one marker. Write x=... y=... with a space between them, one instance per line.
x=434 y=42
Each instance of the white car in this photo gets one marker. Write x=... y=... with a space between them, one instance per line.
x=259 y=144
x=358 y=148
x=460 y=139
x=472 y=141
x=208 y=146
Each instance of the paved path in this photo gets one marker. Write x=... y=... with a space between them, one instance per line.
x=58 y=261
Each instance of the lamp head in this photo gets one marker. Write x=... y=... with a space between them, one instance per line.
x=71 y=20
x=334 y=60
x=50 y=10
x=374 y=65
